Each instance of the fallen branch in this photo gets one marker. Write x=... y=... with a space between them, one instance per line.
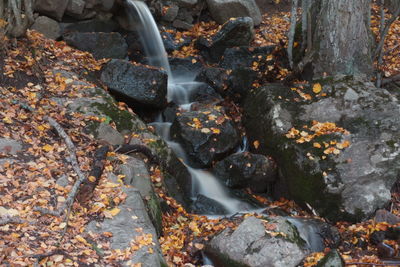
x=126 y=149
x=75 y=166
x=7 y=220
x=89 y=184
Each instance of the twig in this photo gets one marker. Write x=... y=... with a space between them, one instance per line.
x=7 y=220
x=293 y=18
x=75 y=166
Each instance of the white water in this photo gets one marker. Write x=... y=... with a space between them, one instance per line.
x=179 y=91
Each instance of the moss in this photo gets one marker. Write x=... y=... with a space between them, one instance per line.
x=154 y=208
x=121 y=118
x=160 y=147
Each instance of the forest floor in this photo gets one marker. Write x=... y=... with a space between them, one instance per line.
x=28 y=180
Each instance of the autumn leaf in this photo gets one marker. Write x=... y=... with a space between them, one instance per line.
x=47 y=148
x=317 y=88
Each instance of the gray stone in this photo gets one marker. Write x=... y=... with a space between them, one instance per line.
x=171 y=13
x=332 y=259
x=10 y=146
x=75 y=7
x=52 y=8
x=223 y=10
x=386 y=216
x=349 y=184
x=108 y=134
x=183 y=25
x=147 y=86
x=250 y=245
x=62 y=180
x=132 y=215
x=201 y=143
x=47 y=26
x=186 y=3
x=100 y=44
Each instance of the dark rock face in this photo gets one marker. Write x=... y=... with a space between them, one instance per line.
x=206 y=135
x=52 y=8
x=217 y=78
x=93 y=25
x=144 y=85
x=344 y=169
x=250 y=245
x=245 y=169
x=47 y=26
x=333 y=258
x=171 y=44
x=236 y=32
x=100 y=44
x=205 y=205
x=205 y=94
x=223 y=10
x=244 y=57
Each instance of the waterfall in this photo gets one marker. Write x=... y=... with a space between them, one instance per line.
x=150 y=37
x=179 y=90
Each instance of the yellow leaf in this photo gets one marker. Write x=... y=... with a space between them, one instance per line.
x=91 y=179
x=111 y=213
x=256 y=144
x=47 y=148
x=317 y=88
x=62 y=225
x=205 y=130
x=216 y=130
x=8 y=120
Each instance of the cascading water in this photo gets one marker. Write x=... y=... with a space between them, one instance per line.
x=179 y=90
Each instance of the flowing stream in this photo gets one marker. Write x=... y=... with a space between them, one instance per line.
x=179 y=90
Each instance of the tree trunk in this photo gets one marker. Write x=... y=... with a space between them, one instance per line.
x=341 y=39
x=18 y=15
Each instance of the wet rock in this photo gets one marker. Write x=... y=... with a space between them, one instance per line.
x=386 y=216
x=205 y=94
x=182 y=25
x=246 y=169
x=332 y=259
x=10 y=146
x=186 y=68
x=217 y=78
x=206 y=135
x=236 y=32
x=100 y=44
x=171 y=44
x=62 y=180
x=146 y=86
x=354 y=180
x=223 y=10
x=51 y=8
x=250 y=245
x=244 y=57
x=185 y=3
x=121 y=226
x=205 y=205
x=47 y=26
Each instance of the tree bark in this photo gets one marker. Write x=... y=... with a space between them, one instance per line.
x=342 y=41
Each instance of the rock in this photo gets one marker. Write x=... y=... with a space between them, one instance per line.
x=105 y=132
x=223 y=10
x=332 y=259
x=146 y=86
x=205 y=205
x=182 y=25
x=51 y=8
x=106 y=5
x=386 y=216
x=47 y=26
x=217 y=78
x=244 y=57
x=187 y=67
x=63 y=180
x=93 y=25
x=206 y=135
x=186 y=3
x=137 y=175
x=171 y=44
x=205 y=94
x=236 y=32
x=250 y=245
x=121 y=226
x=10 y=146
x=75 y=7
x=348 y=181
x=100 y=44
x=246 y=169
x=170 y=13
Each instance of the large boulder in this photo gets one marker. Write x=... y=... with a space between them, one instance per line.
x=246 y=169
x=51 y=8
x=47 y=26
x=93 y=25
x=100 y=44
x=132 y=215
x=206 y=135
x=146 y=86
x=252 y=244
x=223 y=10
x=337 y=150
x=236 y=32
